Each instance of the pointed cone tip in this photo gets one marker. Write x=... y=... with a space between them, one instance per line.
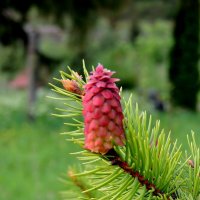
x=99 y=68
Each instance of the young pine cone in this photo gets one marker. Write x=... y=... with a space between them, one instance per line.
x=102 y=112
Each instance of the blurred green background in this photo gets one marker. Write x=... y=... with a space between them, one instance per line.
x=37 y=39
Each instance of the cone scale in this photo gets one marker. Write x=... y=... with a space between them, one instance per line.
x=102 y=111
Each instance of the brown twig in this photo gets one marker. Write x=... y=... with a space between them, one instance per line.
x=116 y=160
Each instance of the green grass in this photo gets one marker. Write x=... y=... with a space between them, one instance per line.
x=33 y=156
x=32 y=159
x=180 y=124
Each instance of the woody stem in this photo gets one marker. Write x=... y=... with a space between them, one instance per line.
x=116 y=160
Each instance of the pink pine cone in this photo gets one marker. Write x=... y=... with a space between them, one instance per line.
x=102 y=112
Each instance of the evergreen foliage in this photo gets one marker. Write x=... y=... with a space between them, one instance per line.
x=183 y=72
x=148 y=166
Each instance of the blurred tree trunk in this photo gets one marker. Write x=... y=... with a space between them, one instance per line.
x=183 y=71
x=135 y=30
x=32 y=65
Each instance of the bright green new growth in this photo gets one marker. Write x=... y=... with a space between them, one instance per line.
x=149 y=166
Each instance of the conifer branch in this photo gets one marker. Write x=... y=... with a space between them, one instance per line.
x=78 y=183
x=115 y=159
x=138 y=161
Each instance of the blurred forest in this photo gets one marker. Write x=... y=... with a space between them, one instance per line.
x=152 y=45
x=133 y=36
